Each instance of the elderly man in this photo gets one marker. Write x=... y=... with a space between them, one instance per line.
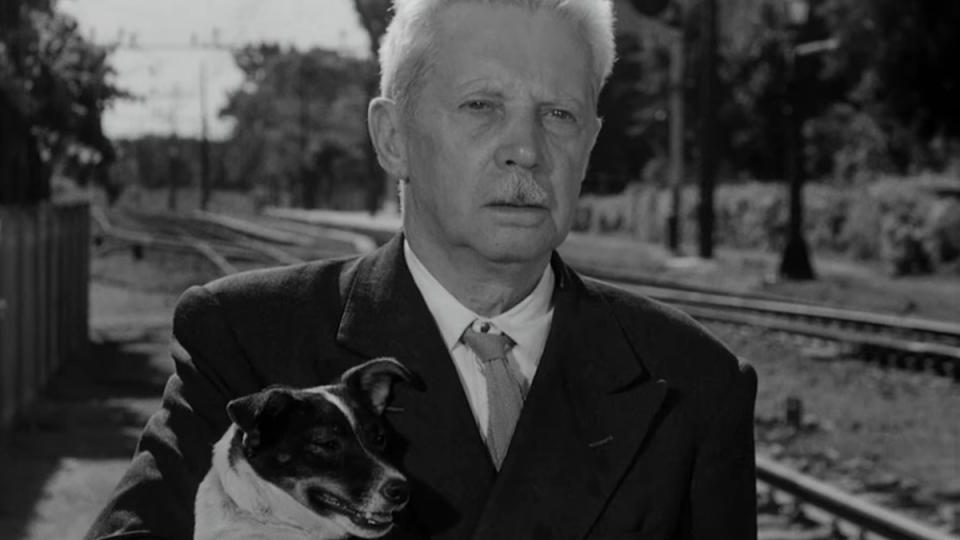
x=598 y=414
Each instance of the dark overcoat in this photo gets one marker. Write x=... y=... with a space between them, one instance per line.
x=638 y=423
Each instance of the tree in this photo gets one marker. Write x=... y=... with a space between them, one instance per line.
x=899 y=60
x=633 y=108
x=54 y=86
x=884 y=99
x=375 y=16
x=298 y=122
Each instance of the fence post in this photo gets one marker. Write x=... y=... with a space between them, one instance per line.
x=28 y=305
x=41 y=359
x=66 y=281
x=83 y=225
x=68 y=249
x=53 y=283
x=9 y=331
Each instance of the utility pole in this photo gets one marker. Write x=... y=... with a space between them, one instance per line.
x=204 y=142
x=795 y=263
x=674 y=232
x=174 y=170
x=708 y=126
x=305 y=193
x=175 y=166
x=653 y=9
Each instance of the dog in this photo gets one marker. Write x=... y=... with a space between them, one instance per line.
x=306 y=463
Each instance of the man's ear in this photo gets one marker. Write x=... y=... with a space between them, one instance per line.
x=373 y=380
x=252 y=411
x=383 y=122
x=594 y=125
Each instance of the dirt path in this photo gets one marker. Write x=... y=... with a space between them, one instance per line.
x=59 y=466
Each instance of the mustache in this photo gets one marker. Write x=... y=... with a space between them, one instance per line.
x=520 y=188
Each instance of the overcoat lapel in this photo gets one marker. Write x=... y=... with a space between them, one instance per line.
x=588 y=411
x=585 y=418
x=440 y=446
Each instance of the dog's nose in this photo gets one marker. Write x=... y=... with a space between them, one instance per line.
x=396 y=491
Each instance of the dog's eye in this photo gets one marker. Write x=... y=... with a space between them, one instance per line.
x=328 y=446
x=378 y=439
x=331 y=446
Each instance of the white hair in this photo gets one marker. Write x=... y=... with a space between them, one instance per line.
x=408 y=46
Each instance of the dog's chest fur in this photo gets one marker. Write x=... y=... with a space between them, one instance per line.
x=233 y=502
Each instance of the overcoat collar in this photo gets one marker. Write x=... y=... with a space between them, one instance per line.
x=588 y=411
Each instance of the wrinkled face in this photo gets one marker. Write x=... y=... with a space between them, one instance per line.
x=500 y=134
x=326 y=448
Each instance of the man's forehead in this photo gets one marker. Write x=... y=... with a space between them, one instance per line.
x=503 y=24
x=490 y=47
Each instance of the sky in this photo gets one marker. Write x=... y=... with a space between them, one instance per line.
x=165 y=56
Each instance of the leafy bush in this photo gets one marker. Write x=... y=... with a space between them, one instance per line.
x=54 y=86
x=910 y=225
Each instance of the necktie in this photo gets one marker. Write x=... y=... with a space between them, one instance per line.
x=505 y=392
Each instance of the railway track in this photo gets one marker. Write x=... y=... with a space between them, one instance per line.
x=888 y=340
x=802 y=502
x=891 y=341
x=828 y=513
x=229 y=244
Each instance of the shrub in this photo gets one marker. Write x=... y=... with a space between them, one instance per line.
x=910 y=225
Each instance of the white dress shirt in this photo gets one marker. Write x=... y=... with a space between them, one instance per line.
x=527 y=323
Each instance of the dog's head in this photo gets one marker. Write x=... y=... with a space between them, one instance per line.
x=325 y=446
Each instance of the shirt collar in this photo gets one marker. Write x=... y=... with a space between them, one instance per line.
x=523 y=322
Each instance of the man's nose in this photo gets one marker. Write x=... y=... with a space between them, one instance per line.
x=521 y=145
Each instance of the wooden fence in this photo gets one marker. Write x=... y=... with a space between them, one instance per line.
x=44 y=284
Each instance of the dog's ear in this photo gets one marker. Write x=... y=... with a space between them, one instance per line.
x=374 y=379
x=250 y=412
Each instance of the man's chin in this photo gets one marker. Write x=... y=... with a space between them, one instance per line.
x=517 y=246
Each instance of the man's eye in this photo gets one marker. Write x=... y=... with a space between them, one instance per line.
x=562 y=115
x=477 y=105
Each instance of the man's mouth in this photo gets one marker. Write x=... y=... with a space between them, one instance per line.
x=367 y=520
x=518 y=205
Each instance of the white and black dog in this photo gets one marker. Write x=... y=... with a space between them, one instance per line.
x=306 y=463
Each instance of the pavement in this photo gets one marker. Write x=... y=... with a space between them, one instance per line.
x=60 y=462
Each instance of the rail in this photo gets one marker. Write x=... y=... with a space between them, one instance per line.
x=178 y=233
x=851 y=515
x=919 y=355
x=936 y=329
